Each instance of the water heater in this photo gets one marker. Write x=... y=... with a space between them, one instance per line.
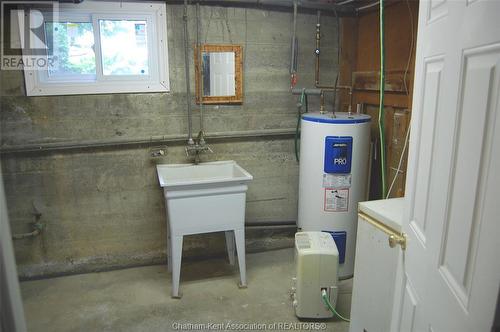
x=334 y=157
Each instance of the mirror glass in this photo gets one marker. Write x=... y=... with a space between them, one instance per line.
x=218 y=74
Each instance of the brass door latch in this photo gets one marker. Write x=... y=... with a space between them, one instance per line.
x=395 y=237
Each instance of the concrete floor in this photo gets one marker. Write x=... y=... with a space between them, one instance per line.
x=138 y=299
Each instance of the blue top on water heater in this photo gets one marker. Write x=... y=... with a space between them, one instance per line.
x=340 y=118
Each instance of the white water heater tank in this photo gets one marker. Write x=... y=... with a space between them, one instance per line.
x=334 y=157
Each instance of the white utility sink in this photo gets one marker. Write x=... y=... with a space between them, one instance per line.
x=190 y=176
x=204 y=198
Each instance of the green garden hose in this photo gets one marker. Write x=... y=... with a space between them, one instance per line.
x=324 y=296
x=300 y=104
x=381 y=112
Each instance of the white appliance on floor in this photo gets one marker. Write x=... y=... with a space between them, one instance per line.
x=376 y=265
x=316 y=261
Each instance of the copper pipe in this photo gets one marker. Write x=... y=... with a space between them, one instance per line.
x=340 y=87
x=322 y=103
x=317 y=50
x=317 y=69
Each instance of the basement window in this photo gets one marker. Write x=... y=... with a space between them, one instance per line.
x=103 y=47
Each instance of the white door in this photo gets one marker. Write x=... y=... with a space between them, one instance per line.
x=450 y=272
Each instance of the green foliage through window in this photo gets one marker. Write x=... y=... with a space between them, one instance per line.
x=71 y=46
x=124 y=47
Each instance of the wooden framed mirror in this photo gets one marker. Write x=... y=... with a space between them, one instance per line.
x=219 y=77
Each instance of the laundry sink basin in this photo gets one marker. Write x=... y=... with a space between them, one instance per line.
x=204 y=198
x=191 y=176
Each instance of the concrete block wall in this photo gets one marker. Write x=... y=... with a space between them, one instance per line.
x=103 y=207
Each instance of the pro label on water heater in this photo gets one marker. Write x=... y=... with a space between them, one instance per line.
x=338 y=154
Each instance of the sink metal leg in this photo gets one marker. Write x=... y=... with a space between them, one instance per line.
x=239 y=235
x=176 y=264
x=230 y=246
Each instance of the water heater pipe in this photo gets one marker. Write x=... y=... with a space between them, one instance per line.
x=317 y=50
x=317 y=66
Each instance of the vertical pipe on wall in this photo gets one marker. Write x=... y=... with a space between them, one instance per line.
x=200 y=61
x=317 y=50
x=186 y=63
x=293 y=57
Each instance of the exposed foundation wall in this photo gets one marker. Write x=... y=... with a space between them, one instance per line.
x=103 y=208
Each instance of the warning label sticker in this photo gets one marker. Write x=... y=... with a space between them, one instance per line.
x=339 y=181
x=336 y=200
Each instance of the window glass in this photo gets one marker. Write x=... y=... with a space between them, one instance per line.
x=71 y=46
x=101 y=47
x=124 y=47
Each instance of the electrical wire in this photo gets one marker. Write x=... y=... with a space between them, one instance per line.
x=412 y=44
x=210 y=20
x=400 y=161
x=381 y=112
x=226 y=20
x=324 y=296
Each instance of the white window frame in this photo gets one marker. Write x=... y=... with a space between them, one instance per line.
x=39 y=84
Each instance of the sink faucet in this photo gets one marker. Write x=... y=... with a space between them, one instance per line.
x=198 y=147
x=201 y=138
